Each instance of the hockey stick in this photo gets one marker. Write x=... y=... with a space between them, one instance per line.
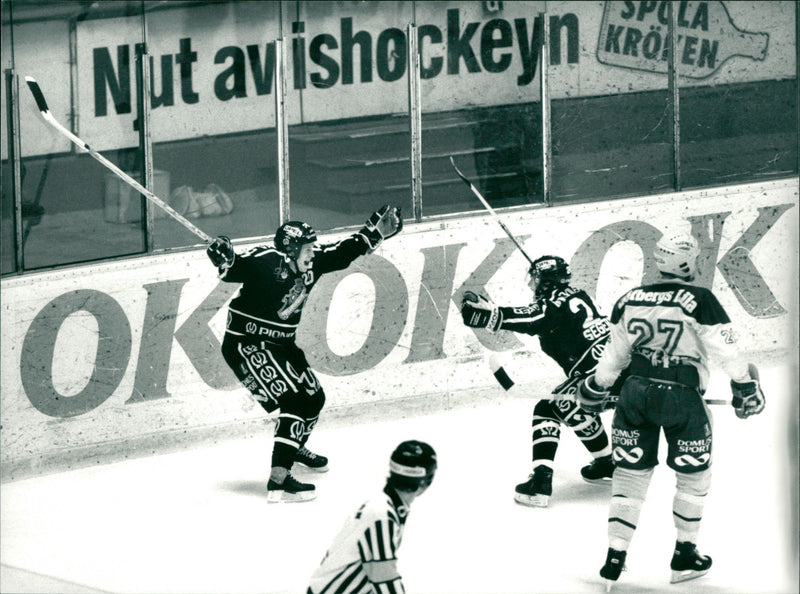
x=490 y=209
x=41 y=103
x=502 y=377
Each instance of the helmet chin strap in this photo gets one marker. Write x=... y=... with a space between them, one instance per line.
x=675 y=277
x=296 y=263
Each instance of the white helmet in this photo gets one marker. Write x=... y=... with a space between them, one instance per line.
x=676 y=255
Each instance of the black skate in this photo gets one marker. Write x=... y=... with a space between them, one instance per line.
x=538 y=488
x=291 y=490
x=615 y=565
x=687 y=563
x=311 y=460
x=599 y=471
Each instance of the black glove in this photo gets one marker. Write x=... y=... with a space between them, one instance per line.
x=382 y=224
x=221 y=253
x=478 y=312
x=591 y=396
x=748 y=399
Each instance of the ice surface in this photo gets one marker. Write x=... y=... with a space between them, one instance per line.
x=198 y=521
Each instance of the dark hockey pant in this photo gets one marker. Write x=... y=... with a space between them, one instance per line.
x=279 y=377
x=647 y=406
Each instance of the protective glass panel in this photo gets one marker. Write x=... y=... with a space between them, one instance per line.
x=74 y=209
x=738 y=91
x=7 y=255
x=347 y=103
x=480 y=69
x=610 y=104
x=213 y=118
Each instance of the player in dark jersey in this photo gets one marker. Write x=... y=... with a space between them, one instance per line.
x=573 y=333
x=663 y=333
x=362 y=559
x=259 y=343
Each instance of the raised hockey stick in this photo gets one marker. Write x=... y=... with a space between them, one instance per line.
x=490 y=209
x=504 y=379
x=41 y=103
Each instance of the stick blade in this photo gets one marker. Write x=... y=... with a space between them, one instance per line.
x=38 y=96
x=500 y=374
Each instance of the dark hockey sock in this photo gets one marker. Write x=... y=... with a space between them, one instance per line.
x=546 y=433
x=592 y=434
x=544 y=451
x=283 y=455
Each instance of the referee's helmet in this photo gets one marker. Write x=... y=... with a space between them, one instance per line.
x=412 y=466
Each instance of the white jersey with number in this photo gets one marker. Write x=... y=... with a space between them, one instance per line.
x=671 y=323
x=362 y=557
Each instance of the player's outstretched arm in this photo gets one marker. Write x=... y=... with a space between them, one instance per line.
x=382 y=224
x=748 y=399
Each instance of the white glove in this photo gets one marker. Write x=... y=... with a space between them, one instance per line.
x=591 y=396
x=221 y=253
x=382 y=224
x=748 y=399
x=478 y=312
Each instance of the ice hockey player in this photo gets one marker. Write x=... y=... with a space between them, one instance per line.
x=665 y=332
x=259 y=343
x=573 y=333
x=363 y=556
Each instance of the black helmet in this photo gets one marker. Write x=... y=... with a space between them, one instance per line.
x=412 y=466
x=550 y=272
x=292 y=235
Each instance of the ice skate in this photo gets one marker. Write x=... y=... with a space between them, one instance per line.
x=291 y=490
x=599 y=472
x=615 y=565
x=311 y=461
x=687 y=563
x=536 y=491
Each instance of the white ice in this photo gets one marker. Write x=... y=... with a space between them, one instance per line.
x=198 y=521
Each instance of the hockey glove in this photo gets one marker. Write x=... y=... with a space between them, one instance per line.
x=382 y=224
x=748 y=399
x=591 y=396
x=478 y=312
x=220 y=252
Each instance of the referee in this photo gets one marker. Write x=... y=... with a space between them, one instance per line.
x=363 y=557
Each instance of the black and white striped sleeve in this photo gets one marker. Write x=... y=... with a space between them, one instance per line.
x=378 y=550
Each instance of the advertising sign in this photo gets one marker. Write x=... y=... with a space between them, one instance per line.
x=213 y=66
x=130 y=350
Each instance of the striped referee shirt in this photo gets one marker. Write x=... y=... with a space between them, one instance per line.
x=362 y=559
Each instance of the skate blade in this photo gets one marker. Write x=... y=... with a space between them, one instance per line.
x=600 y=481
x=284 y=497
x=686 y=575
x=609 y=584
x=532 y=500
x=307 y=468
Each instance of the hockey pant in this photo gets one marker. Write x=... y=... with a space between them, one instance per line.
x=279 y=378
x=548 y=415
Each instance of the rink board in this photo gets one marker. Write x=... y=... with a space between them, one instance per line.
x=122 y=359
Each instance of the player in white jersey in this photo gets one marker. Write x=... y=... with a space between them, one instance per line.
x=666 y=332
x=362 y=559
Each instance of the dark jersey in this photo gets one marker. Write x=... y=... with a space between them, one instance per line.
x=270 y=301
x=570 y=328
